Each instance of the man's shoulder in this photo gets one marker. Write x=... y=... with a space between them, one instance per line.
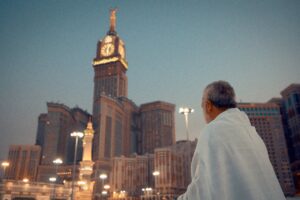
x=217 y=130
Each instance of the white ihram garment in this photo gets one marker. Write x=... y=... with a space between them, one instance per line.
x=231 y=162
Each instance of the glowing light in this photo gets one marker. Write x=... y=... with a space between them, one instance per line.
x=81 y=182
x=5 y=164
x=103 y=176
x=25 y=180
x=57 y=161
x=156 y=173
x=77 y=134
x=185 y=110
x=107 y=187
x=52 y=179
x=104 y=192
x=108 y=60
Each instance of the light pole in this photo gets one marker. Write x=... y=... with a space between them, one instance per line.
x=56 y=162
x=76 y=135
x=186 y=111
x=52 y=180
x=156 y=174
x=4 y=164
x=103 y=176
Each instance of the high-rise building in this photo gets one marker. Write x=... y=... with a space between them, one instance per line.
x=53 y=135
x=42 y=123
x=291 y=118
x=54 y=130
x=24 y=161
x=157 y=126
x=266 y=118
x=114 y=115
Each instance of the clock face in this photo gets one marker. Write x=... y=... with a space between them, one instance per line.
x=107 y=49
x=122 y=51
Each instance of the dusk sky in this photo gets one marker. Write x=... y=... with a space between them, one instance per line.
x=174 y=49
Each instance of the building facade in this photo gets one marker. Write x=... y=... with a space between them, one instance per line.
x=174 y=166
x=157 y=126
x=24 y=161
x=266 y=118
x=53 y=135
x=12 y=190
x=291 y=118
x=54 y=128
x=132 y=174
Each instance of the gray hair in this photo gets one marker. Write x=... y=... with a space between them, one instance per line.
x=221 y=94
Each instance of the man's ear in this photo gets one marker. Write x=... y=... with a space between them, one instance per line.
x=209 y=106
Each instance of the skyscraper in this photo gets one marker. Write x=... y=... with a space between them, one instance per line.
x=157 y=126
x=291 y=117
x=121 y=127
x=55 y=128
x=266 y=118
x=113 y=113
x=53 y=135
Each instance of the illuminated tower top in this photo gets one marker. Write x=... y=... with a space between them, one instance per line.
x=110 y=64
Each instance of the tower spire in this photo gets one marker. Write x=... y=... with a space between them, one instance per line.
x=112 y=28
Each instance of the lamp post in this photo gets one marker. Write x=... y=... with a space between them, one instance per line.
x=103 y=176
x=156 y=174
x=4 y=164
x=76 y=135
x=52 y=180
x=56 y=162
x=186 y=111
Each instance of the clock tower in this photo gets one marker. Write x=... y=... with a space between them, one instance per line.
x=110 y=93
x=110 y=64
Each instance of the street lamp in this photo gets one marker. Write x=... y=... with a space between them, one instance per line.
x=156 y=173
x=104 y=192
x=76 y=135
x=25 y=180
x=103 y=176
x=106 y=187
x=186 y=111
x=4 y=164
x=52 y=180
x=56 y=162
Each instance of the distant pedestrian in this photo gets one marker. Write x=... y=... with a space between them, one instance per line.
x=231 y=161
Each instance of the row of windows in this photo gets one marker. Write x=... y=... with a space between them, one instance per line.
x=108 y=86
x=263 y=109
